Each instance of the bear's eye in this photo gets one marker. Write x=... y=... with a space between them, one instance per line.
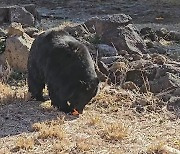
x=82 y=82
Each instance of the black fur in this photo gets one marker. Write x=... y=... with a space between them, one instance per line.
x=65 y=65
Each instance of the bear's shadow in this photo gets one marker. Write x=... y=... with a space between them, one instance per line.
x=16 y=118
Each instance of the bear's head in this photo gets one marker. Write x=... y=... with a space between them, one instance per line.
x=83 y=93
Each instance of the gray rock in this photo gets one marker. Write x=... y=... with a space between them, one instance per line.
x=149 y=33
x=158 y=48
x=162 y=33
x=32 y=9
x=21 y=15
x=26 y=14
x=176 y=92
x=117 y=30
x=17 y=51
x=169 y=81
x=173 y=35
x=141 y=75
x=168 y=94
x=171 y=68
x=106 y=50
x=135 y=76
x=165 y=96
x=174 y=104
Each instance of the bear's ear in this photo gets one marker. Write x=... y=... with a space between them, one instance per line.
x=73 y=46
x=76 y=47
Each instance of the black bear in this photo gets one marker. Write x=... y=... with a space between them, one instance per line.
x=65 y=65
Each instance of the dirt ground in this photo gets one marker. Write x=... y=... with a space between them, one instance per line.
x=142 y=11
x=106 y=126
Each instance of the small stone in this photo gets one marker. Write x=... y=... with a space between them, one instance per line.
x=159 y=59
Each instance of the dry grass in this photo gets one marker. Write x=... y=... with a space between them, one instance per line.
x=25 y=143
x=112 y=99
x=83 y=145
x=49 y=130
x=156 y=149
x=108 y=125
x=94 y=120
x=115 y=131
x=66 y=24
x=8 y=94
x=60 y=146
x=4 y=151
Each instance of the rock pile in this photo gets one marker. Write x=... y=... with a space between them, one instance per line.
x=132 y=59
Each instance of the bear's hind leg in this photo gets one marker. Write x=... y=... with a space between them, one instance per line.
x=36 y=87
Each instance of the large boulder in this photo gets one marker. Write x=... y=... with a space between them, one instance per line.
x=21 y=15
x=118 y=31
x=26 y=14
x=142 y=75
x=32 y=9
x=18 y=45
x=167 y=82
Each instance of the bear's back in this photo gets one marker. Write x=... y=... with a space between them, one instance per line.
x=56 y=51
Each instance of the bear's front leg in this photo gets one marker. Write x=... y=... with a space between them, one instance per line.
x=56 y=101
